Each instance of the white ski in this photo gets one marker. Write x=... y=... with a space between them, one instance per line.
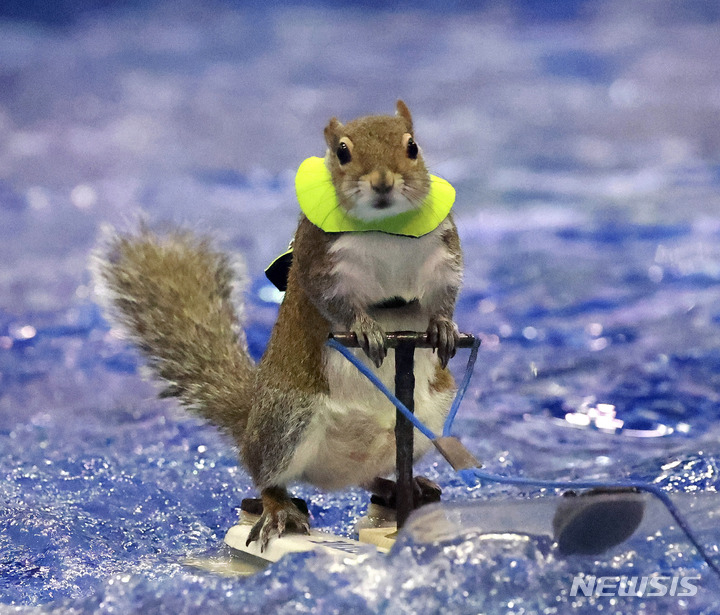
x=340 y=546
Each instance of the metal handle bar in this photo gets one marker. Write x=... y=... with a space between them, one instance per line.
x=419 y=340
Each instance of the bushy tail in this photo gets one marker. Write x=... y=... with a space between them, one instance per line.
x=173 y=297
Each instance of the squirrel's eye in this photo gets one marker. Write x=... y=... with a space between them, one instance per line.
x=412 y=149
x=343 y=153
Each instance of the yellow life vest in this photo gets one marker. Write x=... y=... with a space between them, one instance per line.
x=318 y=201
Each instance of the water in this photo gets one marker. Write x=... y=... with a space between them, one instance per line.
x=584 y=144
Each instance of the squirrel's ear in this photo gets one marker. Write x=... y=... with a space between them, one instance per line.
x=333 y=132
x=404 y=113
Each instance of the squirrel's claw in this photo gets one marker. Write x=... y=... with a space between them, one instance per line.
x=286 y=516
x=371 y=338
x=443 y=336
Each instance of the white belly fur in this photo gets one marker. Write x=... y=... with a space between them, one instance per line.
x=351 y=437
x=355 y=430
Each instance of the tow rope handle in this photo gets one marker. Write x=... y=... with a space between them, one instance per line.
x=450 y=447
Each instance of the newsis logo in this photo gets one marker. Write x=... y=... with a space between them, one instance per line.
x=645 y=587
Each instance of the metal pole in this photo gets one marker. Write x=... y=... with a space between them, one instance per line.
x=404 y=391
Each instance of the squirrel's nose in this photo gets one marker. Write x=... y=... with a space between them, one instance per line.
x=382 y=181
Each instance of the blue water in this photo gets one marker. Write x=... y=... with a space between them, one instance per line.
x=584 y=143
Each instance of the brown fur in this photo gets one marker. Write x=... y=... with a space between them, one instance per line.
x=173 y=296
x=294 y=353
x=376 y=146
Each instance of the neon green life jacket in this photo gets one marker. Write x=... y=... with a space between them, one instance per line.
x=319 y=202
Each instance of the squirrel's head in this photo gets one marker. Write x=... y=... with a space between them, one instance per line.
x=376 y=165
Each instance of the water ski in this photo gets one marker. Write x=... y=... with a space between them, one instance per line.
x=236 y=538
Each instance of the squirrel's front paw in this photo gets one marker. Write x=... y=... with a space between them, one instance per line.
x=371 y=338
x=276 y=521
x=443 y=336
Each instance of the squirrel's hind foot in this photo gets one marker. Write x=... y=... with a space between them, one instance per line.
x=384 y=492
x=279 y=514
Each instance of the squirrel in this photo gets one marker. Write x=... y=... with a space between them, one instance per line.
x=303 y=413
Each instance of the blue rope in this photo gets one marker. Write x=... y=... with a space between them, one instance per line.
x=370 y=375
x=417 y=423
x=462 y=389
x=470 y=476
